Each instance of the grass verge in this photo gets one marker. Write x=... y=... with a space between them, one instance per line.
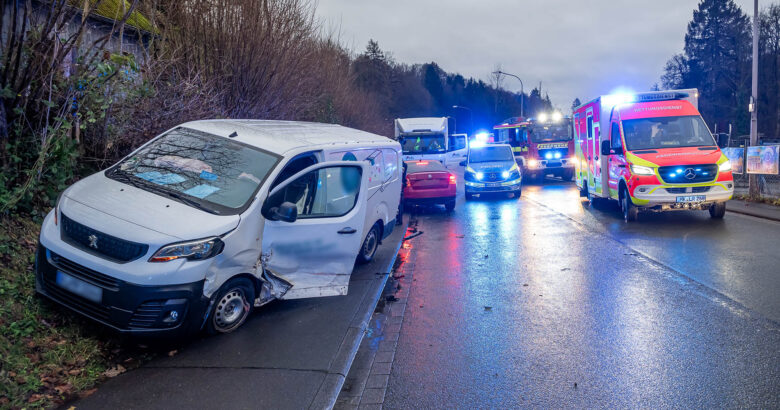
x=48 y=355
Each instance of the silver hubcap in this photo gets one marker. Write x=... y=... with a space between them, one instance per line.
x=370 y=244
x=231 y=309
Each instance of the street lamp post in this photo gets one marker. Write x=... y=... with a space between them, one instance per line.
x=499 y=72
x=471 y=114
x=753 y=188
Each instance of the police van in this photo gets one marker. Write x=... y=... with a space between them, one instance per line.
x=213 y=217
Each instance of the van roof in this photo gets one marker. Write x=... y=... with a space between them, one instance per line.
x=282 y=136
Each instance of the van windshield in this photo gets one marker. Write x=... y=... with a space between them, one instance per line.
x=666 y=132
x=202 y=170
x=423 y=144
x=491 y=154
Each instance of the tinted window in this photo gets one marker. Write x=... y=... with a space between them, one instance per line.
x=666 y=132
x=322 y=193
x=202 y=170
x=423 y=166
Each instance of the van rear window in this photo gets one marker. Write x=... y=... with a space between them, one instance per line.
x=205 y=171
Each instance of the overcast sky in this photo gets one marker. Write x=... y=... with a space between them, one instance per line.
x=576 y=48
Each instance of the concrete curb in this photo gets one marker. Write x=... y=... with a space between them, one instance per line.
x=330 y=388
x=754 y=214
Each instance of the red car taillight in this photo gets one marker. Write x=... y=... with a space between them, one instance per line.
x=453 y=180
x=408 y=182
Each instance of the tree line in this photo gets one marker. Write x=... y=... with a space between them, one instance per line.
x=71 y=104
x=717 y=60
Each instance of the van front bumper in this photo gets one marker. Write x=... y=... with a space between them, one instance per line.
x=664 y=197
x=480 y=187
x=166 y=311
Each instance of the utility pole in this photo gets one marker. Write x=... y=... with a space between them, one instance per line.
x=754 y=190
x=471 y=115
x=499 y=72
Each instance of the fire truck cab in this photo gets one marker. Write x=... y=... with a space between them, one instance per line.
x=542 y=145
x=651 y=152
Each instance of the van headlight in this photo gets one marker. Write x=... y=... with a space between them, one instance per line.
x=726 y=166
x=641 y=170
x=190 y=250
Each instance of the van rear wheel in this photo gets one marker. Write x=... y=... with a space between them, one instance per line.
x=231 y=307
x=370 y=244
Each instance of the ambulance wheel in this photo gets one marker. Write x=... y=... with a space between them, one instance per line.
x=630 y=211
x=584 y=191
x=449 y=205
x=718 y=210
x=368 y=249
x=231 y=306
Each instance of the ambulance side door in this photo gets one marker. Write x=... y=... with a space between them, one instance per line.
x=617 y=160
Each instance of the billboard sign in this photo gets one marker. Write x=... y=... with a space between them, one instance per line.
x=737 y=158
x=763 y=159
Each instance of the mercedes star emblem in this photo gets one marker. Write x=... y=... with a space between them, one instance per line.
x=690 y=173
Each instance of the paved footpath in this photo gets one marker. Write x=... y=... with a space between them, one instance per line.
x=288 y=355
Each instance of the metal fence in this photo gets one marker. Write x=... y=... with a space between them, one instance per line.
x=769 y=185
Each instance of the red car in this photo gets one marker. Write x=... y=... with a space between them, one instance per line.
x=429 y=182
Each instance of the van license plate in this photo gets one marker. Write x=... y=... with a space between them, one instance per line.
x=86 y=290
x=691 y=198
x=493 y=185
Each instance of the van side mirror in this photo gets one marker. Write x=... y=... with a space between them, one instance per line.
x=286 y=212
x=463 y=163
x=606 y=149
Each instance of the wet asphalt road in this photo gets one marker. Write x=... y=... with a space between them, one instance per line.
x=544 y=302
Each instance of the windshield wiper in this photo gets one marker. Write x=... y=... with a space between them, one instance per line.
x=181 y=198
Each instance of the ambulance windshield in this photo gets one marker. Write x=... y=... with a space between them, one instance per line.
x=666 y=132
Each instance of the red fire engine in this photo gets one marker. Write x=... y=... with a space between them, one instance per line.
x=542 y=145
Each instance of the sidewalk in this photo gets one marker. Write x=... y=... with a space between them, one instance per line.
x=756 y=209
x=289 y=354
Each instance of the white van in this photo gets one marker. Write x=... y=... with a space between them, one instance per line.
x=213 y=217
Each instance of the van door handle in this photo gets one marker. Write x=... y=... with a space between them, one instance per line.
x=347 y=230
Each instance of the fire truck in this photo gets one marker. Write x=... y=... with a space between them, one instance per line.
x=650 y=152
x=542 y=145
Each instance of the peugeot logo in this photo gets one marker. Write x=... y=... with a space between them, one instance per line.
x=690 y=173
x=93 y=241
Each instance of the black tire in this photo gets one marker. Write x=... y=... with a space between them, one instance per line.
x=369 y=246
x=718 y=210
x=630 y=211
x=232 y=306
x=449 y=205
x=584 y=190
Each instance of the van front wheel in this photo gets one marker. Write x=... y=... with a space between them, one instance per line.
x=718 y=210
x=368 y=249
x=231 y=307
x=630 y=211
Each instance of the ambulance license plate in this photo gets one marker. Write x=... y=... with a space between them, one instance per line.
x=492 y=185
x=86 y=290
x=691 y=198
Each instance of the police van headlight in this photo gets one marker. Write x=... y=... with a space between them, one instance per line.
x=641 y=170
x=505 y=174
x=726 y=166
x=190 y=250
x=479 y=175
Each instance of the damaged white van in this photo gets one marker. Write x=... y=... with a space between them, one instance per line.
x=214 y=217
